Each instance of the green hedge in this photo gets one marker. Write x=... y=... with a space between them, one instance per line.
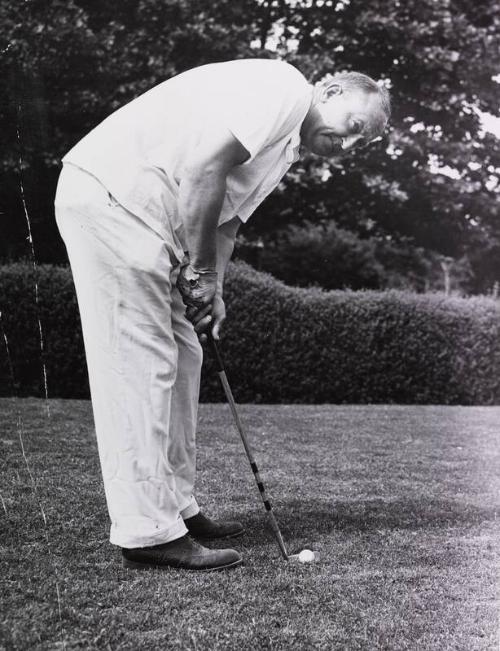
x=283 y=344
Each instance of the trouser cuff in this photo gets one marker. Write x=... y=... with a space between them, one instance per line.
x=190 y=510
x=129 y=541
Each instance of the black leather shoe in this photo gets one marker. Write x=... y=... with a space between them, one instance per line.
x=183 y=554
x=200 y=526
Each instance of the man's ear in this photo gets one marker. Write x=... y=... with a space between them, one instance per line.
x=333 y=89
x=326 y=89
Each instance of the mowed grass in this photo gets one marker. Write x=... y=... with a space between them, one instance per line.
x=402 y=503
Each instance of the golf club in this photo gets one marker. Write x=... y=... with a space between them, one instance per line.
x=306 y=555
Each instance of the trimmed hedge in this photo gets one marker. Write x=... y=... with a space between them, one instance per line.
x=63 y=342
x=283 y=344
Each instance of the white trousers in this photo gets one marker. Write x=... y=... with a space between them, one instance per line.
x=143 y=357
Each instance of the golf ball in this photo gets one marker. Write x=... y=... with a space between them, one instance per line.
x=306 y=556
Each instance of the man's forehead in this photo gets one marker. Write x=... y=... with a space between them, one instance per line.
x=375 y=124
x=369 y=109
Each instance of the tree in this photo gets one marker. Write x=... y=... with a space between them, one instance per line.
x=432 y=182
x=67 y=65
x=324 y=255
x=440 y=58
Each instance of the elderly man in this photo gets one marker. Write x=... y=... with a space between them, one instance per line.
x=149 y=204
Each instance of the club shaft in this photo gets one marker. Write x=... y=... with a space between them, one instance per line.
x=260 y=484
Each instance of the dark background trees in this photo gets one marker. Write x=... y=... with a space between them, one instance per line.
x=427 y=192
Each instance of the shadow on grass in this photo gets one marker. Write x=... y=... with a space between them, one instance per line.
x=312 y=518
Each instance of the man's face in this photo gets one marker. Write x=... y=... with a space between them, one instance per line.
x=342 y=121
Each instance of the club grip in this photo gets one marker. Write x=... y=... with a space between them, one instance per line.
x=215 y=349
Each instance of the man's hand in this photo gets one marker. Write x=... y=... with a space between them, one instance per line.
x=197 y=289
x=203 y=311
x=210 y=317
x=218 y=315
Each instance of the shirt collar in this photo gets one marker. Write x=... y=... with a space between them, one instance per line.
x=292 y=148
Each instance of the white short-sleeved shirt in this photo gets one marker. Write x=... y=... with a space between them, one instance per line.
x=139 y=152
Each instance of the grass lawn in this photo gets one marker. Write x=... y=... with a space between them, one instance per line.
x=402 y=503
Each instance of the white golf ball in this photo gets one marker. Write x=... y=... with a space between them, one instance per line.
x=306 y=556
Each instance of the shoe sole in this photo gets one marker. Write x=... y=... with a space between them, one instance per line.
x=134 y=565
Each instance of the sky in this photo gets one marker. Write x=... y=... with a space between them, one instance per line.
x=491 y=123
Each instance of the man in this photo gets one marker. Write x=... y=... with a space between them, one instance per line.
x=149 y=205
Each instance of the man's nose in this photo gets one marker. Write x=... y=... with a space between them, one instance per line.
x=350 y=141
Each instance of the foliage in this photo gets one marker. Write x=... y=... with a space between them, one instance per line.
x=63 y=356
x=331 y=257
x=323 y=255
x=65 y=65
x=284 y=344
x=298 y=345
x=440 y=58
x=327 y=256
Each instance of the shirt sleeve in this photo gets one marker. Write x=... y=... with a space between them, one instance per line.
x=264 y=104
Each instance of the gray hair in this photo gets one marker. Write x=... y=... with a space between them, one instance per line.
x=359 y=81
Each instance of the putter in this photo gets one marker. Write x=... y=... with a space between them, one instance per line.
x=306 y=556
